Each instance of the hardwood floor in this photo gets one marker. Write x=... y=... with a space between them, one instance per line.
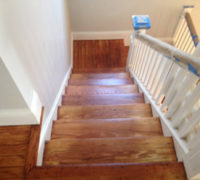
x=99 y=54
x=14 y=142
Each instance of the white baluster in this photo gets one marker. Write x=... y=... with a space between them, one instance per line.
x=174 y=87
x=162 y=76
x=167 y=82
x=186 y=108
x=188 y=126
x=181 y=93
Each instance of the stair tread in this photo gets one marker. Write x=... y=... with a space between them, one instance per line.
x=109 y=150
x=98 y=90
x=99 y=75
x=108 y=81
x=99 y=70
x=104 y=111
x=113 y=99
x=122 y=171
x=107 y=128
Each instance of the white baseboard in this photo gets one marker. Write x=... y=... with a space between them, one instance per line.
x=47 y=126
x=100 y=35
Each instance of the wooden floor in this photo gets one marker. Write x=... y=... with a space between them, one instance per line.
x=104 y=131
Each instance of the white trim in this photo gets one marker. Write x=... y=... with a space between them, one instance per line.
x=47 y=126
x=11 y=117
x=100 y=35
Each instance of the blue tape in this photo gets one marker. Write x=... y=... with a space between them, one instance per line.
x=192 y=69
x=177 y=59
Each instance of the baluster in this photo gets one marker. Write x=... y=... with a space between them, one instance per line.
x=194 y=141
x=138 y=55
x=185 y=42
x=167 y=82
x=189 y=125
x=155 y=74
x=140 y=60
x=136 y=47
x=152 y=70
x=149 y=58
x=181 y=93
x=181 y=33
x=145 y=63
x=189 y=44
x=180 y=44
x=174 y=87
x=162 y=76
x=186 y=108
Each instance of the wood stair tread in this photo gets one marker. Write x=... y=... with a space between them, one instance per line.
x=99 y=90
x=113 y=99
x=104 y=111
x=107 y=81
x=121 y=171
x=107 y=128
x=99 y=75
x=100 y=70
x=109 y=150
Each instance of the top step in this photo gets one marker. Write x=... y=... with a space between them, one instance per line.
x=100 y=70
x=100 y=75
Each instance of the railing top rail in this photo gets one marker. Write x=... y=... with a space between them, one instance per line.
x=182 y=58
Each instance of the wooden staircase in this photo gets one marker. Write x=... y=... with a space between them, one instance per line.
x=105 y=131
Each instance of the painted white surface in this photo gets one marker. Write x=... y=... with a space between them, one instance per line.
x=115 y=15
x=35 y=47
x=47 y=125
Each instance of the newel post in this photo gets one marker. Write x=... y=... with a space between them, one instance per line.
x=140 y=24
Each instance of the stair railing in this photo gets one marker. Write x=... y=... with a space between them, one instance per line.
x=185 y=36
x=169 y=79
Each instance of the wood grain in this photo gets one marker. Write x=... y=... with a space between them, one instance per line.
x=100 y=90
x=103 y=99
x=103 y=82
x=98 y=54
x=100 y=76
x=152 y=171
x=107 y=128
x=109 y=150
x=104 y=112
x=32 y=153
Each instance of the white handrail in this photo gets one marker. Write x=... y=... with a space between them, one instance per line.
x=169 y=79
x=176 y=54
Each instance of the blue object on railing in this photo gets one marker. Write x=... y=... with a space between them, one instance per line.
x=192 y=69
x=141 y=22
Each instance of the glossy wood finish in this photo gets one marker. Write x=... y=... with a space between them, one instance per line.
x=153 y=171
x=103 y=82
x=107 y=128
x=13 y=148
x=109 y=150
x=104 y=112
x=100 y=76
x=96 y=54
x=100 y=90
x=103 y=99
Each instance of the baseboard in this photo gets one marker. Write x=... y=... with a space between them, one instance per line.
x=47 y=126
x=100 y=35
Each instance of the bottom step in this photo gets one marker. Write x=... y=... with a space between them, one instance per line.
x=156 y=171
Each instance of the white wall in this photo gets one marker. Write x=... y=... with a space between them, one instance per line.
x=37 y=35
x=195 y=13
x=115 y=15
